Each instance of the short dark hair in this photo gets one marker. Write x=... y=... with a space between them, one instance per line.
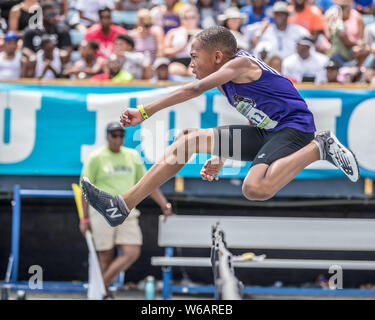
x=126 y=38
x=101 y=10
x=218 y=38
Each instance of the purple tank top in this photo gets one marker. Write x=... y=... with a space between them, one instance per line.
x=271 y=102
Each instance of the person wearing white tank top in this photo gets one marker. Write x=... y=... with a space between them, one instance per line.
x=178 y=42
x=10 y=58
x=48 y=62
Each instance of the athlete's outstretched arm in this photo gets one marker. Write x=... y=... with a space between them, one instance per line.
x=229 y=71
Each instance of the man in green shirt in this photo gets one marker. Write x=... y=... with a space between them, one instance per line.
x=116 y=169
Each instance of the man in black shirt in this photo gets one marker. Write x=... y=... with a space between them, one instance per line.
x=58 y=31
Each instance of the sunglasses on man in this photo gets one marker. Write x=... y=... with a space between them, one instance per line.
x=120 y=135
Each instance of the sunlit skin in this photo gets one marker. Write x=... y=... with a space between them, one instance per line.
x=204 y=62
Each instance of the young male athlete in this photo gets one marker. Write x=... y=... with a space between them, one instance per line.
x=279 y=138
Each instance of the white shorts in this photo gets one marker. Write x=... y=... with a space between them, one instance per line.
x=105 y=237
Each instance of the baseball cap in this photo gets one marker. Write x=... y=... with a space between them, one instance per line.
x=113 y=126
x=306 y=41
x=161 y=61
x=332 y=65
x=11 y=35
x=280 y=6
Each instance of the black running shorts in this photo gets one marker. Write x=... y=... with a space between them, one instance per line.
x=247 y=143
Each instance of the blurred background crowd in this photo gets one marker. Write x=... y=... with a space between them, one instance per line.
x=315 y=41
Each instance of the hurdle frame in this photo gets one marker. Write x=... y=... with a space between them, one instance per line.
x=169 y=288
x=48 y=286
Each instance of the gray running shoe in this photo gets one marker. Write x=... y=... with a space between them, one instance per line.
x=335 y=153
x=113 y=209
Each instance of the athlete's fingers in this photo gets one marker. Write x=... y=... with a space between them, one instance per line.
x=203 y=174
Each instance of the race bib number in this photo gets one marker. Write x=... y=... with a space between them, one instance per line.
x=247 y=107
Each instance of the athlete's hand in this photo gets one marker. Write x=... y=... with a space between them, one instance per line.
x=131 y=117
x=212 y=168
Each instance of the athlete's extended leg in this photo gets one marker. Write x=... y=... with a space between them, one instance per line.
x=116 y=209
x=176 y=156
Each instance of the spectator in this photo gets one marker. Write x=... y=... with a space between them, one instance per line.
x=282 y=36
x=62 y=5
x=332 y=72
x=89 y=64
x=306 y=65
x=208 y=11
x=257 y=11
x=59 y=32
x=21 y=15
x=48 y=63
x=369 y=36
x=115 y=72
x=116 y=169
x=134 y=61
x=324 y=5
x=307 y=16
x=369 y=73
x=89 y=10
x=166 y=16
x=5 y=7
x=178 y=41
x=233 y=19
x=274 y=62
x=364 y=6
x=130 y=5
x=10 y=58
x=104 y=33
x=161 y=70
x=147 y=37
x=344 y=28
x=263 y=50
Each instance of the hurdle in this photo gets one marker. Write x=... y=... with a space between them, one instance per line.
x=228 y=287
x=13 y=265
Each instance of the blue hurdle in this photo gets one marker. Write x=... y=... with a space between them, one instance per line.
x=13 y=265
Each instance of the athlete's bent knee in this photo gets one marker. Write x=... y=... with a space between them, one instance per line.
x=256 y=192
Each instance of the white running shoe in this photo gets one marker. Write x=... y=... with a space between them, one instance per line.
x=340 y=156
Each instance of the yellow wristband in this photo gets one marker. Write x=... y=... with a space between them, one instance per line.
x=142 y=111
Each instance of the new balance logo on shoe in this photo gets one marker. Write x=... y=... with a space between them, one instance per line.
x=113 y=211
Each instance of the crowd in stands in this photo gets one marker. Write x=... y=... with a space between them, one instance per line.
x=315 y=41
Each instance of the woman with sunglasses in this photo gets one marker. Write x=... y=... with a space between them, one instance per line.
x=178 y=41
x=21 y=15
x=148 y=38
